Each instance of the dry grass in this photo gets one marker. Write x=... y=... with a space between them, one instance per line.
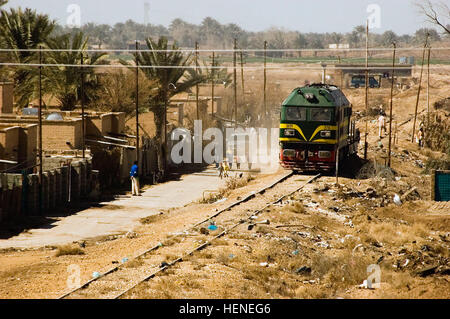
x=388 y=232
x=237 y=182
x=151 y=219
x=213 y=197
x=296 y=207
x=68 y=250
x=135 y=263
x=342 y=270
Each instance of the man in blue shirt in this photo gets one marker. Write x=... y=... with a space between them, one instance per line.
x=134 y=179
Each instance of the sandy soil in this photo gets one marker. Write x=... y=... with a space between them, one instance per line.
x=335 y=232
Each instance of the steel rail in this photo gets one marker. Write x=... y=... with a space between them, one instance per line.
x=157 y=246
x=207 y=243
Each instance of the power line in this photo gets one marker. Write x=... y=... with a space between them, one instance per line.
x=217 y=50
x=281 y=67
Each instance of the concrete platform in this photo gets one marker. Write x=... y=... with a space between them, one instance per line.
x=119 y=215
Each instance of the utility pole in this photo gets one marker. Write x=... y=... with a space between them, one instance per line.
x=235 y=82
x=83 y=123
x=366 y=89
x=265 y=80
x=196 y=86
x=428 y=87
x=420 y=86
x=390 y=107
x=212 y=84
x=137 y=103
x=40 y=131
x=242 y=77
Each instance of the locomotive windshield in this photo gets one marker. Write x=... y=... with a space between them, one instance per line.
x=294 y=113
x=321 y=115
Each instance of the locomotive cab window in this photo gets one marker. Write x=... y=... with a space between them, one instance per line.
x=321 y=115
x=295 y=114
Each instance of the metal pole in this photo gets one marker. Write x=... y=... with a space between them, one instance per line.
x=265 y=80
x=166 y=98
x=40 y=130
x=235 y=82
x=196 y=86
x=395 y=135
x=418 y=91
x=390 y=107
x=366 y=89
x=137 y=104
x=212 y=84
x=428 y=87
x=83 y=124
x=338 y=142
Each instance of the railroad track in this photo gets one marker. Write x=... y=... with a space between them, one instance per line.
x=121 y=279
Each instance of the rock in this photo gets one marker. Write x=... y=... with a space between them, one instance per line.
x=358 y=247
x=264 y=264
x=443 y=270
x=426 y=271
x=164 y=264
x=406 y=263
x=397 y=200
x=377 y=244
x=371 y=193
x=131 y=235
x=303 y=270
x=204 y=231
x=322 y=244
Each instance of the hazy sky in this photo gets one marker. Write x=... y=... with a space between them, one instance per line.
x=401 y=16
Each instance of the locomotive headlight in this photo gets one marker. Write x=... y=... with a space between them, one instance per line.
x=324 y=154
x=325 y=133
x=289 y=132
x=288 y=153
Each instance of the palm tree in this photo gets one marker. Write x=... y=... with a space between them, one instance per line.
x=64 y=81
x=169 y=81
x=22 y=30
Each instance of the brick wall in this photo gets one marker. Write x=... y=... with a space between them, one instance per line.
x=6 y=97
x=56 y=134
x=9 y=144
x=107 y=123
x=19 y=194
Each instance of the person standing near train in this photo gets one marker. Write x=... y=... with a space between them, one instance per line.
x=134 y=175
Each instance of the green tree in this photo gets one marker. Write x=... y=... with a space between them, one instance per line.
x=388 y=37
x=63 y=81
x=22 y=30
x=420 y=35
x=170 y=80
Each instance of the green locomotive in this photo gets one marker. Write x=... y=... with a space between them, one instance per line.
x=309 y=135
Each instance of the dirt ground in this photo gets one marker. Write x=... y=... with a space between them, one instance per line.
x=319 y=242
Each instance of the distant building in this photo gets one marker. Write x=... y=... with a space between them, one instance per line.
x=339 y=46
